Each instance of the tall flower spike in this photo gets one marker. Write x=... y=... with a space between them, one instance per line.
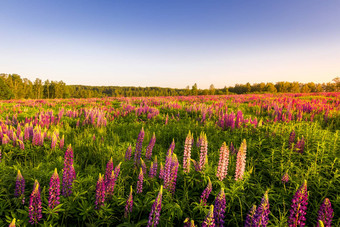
x=155 y=167
x=291 y=139
x=100 y=192
x=325 y=213
x=34 y=209
x=139 y=146
x=129 y=204
x=143 y=165
x=54 y=190
x=152 y=142
x=128 y=153
x=156 y=210
x=209 y=220
x=108 y=172
x=61 y=142
x=161 y=171
x=19 y=191
x=285 y=178
x=68 y=172
x=222 y=168
x=241 y=161
x=206 y=193
x=299 y=207
x=189 y=223
x=187 y=153
x=262 y=212
x=12 y=223
x=203 y=151
x=140 y=182
x=250 y=217
x=219 y=208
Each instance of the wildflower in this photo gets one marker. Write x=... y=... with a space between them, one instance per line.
x=222 y=168
x=241 y=161
x=299 y=207
x=219 y=208
x=161 y=172
x=54 y=141
x=187 y=153
x=128 y=153
x=262 y=212
x=68 y=172
x=300 y=145
x=129 y=204
x=19 y=191
x=12 y=223
x=291 y=139
x=203 y=151
x=143 y=165
x=188 y=223
x=250 y=217
x=156 y=210
x=206 y=193
x=325 y=213
x=285 y=178
x=139 y=146
x=34 y=209
x=140 y=182
x=61 y=142
x=209 y=220
x=232 y=149
x=108 y=172
x=54 y=190
x=152 y=142
x=100 y=192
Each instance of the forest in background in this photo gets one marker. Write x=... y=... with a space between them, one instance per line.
x=13 y=86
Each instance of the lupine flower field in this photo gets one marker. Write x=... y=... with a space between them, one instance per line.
x=238 y=160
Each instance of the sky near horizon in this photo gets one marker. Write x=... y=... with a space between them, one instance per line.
x=171 y=43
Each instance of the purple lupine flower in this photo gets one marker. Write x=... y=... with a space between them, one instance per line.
x=166 y=119
x=189 y=223
x=232 y=149
x=291 y=139
x=140 y=182
x=152 y=142
x=203 y=151
x=285 y=178
x=128 y=153
x=110 y=186
x=155 y=166
x=300 y=145
x=206 y=193
x=156 y=210
x=117 y=171
x=299 y=207
x=262 y=212
x=325 y=213
x=219 y=208
x=241 y=161
x=21 y=144
x=173 y=173
x=108 y=171
x=161 y=171
x=172 y=147
x=100 y=192
x=54 y=141
x=187 y=153
x=151 y=171
x=143 y=165
x=19 y=191
x=222 y=168
x=34 y=209
x=12 y=223
x=129 y=204
x=54 y=190
x=68 y=172
x=250 y=217
x=61 y=142
x=139 y=146
x=209 y=220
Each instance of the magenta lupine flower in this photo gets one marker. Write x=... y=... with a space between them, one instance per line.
x=54 y=141
x=152 y=142
x=21 y=144
x=100 y=192
x=139 y=146
x=12 y=223
x=54 y=190
x=117 y=171
x=299 y=207
x=262 y=212
x=151 y=171
x=325 y=213
x=222 y=168
x=203 y=151
x=128 y=153
x=209 y=220
x=173 y=173
x=61 y=142
x=241 y=161
x=285 y=178
x=195 y=165
x=250 y=217
x=219 y=208
x=68 y=172
x=19 y=191
x=161 y=171
x=110 y=186
x=206 y=193
x=156 y=210
x=108 y=172
x=140 y=182
x=187 y=153
x=291 y=139
x=129 y=204
x=232 y=149
x=143 y=165
x=34 y=209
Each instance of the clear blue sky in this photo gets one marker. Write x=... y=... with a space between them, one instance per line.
x=171 y=43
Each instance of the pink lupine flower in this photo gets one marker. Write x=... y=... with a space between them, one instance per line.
x=222 y=168
x=129 y=204
x=203 y=151
x=285 y=178
x=241 y=161
x=34 y=209
x=187 y=153
x=54 y=190
x=61 y=142
x=100 y=192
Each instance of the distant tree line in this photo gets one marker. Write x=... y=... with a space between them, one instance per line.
x=12 y=86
